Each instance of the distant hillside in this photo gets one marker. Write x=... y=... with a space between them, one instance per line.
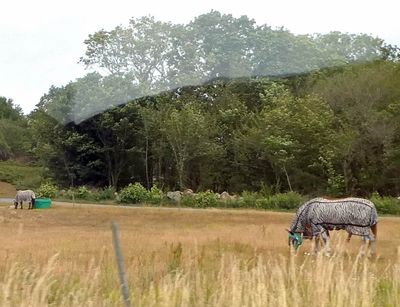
x=7 y=189
x=19 y=175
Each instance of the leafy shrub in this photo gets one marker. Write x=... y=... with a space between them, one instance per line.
x=69 y=194
x=107 y=193
x=285 y=201
x=47 y=190
x=386 y=205
x=188 y=201
x=233 y=203
x=83 y=192
x=155 y=196
x=248 y=199
x=133 y=194
x=206 y=199
x=266 y=190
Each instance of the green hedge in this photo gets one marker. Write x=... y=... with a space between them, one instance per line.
x=135 y=193
x=386 y=205
x=87 y=194
x=282 y=201
x=209 y=199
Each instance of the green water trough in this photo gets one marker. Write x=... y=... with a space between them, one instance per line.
x=42 y=203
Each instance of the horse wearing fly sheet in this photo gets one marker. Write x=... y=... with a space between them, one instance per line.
x=317 y=217
x=22 y=196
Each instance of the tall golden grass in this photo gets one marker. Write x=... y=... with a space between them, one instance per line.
x=64 y=257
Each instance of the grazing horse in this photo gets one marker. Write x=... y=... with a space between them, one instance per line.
x=317 y=217
x=22 y=196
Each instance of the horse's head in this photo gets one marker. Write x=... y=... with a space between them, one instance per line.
x=295 y=239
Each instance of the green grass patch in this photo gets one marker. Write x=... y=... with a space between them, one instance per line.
x=20 y=175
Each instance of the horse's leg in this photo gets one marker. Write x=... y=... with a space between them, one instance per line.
x=372 y=239
x=349 y=237
x=21 y=205
x=364 y=247
x=327 y=242
x=316 y=244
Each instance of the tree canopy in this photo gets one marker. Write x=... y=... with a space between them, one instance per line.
x=225 y=104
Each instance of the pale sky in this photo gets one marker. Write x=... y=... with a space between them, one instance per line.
x=41 y=41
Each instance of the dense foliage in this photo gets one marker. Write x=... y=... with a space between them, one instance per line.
x=335 y=133
x=296 y=126
x=14 y=132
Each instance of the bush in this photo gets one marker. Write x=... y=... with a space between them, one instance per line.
x=107 y=193
x=69 y=194
x=285 y=201
x=83 y=192
x=248 y=199
x=47 y=190
x=155 y=196
x=266 y=190
x=78 y=193
x=133 y=194
x=206 y=199
x=386 y=205
x=188 y=201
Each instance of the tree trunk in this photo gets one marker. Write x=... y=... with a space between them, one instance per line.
x=180 y=173
x=147 y=163
x=288 y=179
x=346 y=177
x=109 y=170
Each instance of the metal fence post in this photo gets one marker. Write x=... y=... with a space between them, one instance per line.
x=121 y=264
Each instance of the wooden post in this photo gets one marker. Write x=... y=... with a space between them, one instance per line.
x=121 y=264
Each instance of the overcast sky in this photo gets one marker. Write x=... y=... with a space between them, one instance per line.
x=41 y=41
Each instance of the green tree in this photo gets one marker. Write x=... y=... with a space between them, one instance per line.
x=9 y=110
x=14 y=132
x=344 y=48
x=290 y=134
x=364 y=99
x=189 y=136
x=116 y=134
x=140 y=51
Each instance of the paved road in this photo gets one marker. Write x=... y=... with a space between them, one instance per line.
x=87 y=205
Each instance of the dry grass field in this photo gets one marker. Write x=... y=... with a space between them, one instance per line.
x=64 y=256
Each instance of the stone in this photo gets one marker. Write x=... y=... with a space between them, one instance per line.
x=175 y=196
